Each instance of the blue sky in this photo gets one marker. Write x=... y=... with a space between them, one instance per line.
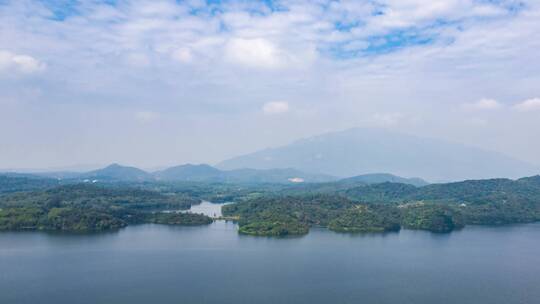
x=164 y=82
x=387 y=40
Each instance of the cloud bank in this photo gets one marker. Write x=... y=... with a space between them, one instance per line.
x=461 y=70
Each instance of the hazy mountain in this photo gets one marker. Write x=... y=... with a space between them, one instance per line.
x=532 y=180
x=61 y=169
x=184 y=173
x=357 y=151
x=189 y=172
x=206 y=173
x=377 y=178
x=118 y=173
x=13 y=182
x=21 y=175
x=287 y=175
x=60 y=174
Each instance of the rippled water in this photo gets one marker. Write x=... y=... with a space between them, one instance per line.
x=213 y=264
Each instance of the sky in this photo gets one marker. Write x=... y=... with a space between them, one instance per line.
x=158 y=83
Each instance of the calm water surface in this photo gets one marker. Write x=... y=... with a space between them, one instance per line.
x=213 y=264
x=207 y=208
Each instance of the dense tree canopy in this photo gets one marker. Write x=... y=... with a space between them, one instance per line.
x=271 y=209
x=84 y=207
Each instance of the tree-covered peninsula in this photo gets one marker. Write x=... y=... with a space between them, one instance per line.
x=86 y=207
x=389 y=206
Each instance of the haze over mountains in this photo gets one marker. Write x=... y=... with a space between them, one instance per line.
x=378 y=178
x=206 y=173
x=359 y=151
x=196 y=173
x=367 y=155
x=186 y=173
x=118 y=172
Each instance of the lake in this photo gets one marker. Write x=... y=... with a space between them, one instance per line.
x=213 y=264
x=207 y=208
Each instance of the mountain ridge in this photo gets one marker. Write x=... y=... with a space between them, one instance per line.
x=207 y=173
x=377 y=178
x=186 y=173
x=118 y=172
x=363 y=150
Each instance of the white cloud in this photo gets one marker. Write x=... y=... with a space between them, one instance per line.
x=146 y=116
x=257 y=53
x=183 y=55
x=532 y=104
x=123 y=55
x=483 y=104
x=20 y=63
x=276 y=107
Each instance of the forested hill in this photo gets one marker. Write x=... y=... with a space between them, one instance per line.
x=470 y=191
x=24 y=182
x=389 y=206
x=86 y=207
x=118 y=173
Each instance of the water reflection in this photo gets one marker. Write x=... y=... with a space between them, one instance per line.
x=208 y=208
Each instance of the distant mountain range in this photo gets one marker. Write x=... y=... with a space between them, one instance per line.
x=356 y=151
x=183 y=173
x=206 y=173
x=351 y=156
x=201 y=173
